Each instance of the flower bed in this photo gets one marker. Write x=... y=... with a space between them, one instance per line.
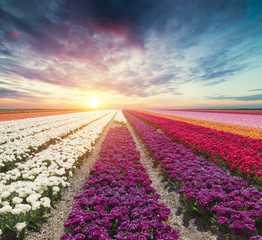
x=205 y=188
x=18 y=129
x=28 y=190
x=15 y=115
x=255 y=111
x=248 y=120
x=240 y=153
x=118 y=201
x=250 y=132
x=23 y=138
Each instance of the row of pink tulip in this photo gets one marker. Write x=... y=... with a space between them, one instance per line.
x=248 y=120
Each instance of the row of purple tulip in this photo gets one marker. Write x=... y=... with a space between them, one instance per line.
x=241 y=154
x=205 y=188
x=118 y=201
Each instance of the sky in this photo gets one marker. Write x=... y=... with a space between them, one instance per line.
x=131 y=53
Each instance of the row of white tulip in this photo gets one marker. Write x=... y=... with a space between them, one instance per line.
x=15 y=129
x=120 y=118
x=34 y=185
x=19 y=149
x=10 y=129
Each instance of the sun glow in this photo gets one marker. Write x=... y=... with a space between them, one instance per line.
x=94 y=103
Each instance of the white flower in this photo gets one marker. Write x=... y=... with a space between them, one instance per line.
x=36 y=205
x=16 y=211
x=5 y=194
x=17 y=200
x=20 y=226
x=32 y=198
x=22 y=194
x=1 y=232
x=6 y=209
x=5 y=203
x=47 y=169
x=56 y=189
x=24 y=207
x=45 y=201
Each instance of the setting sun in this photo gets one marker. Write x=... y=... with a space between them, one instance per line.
x=94 y=102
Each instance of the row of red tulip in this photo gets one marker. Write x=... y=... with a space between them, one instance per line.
x=241 y=154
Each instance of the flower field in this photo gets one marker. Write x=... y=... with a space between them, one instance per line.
x=247 y=120
x=14 y=115
x=204 y=187
x=118 y=199
x=242 y=154
x=252 y=132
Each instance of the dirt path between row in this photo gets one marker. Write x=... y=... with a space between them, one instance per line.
x=53 y=229
x=189 y=225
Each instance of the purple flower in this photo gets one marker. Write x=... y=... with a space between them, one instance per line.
x=255 y=238
x=118 y=191
x=91 y=192
x=123 y=226
x=96 y=231
x=120 y=236
x=237 y=224
x=222 y=220
x=76 y=229
x=113 y=201
x=67 y=237
x=190 y=195
x=79 y=236
x=134 y=225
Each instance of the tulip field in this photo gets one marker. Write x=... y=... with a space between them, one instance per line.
x=211 y=160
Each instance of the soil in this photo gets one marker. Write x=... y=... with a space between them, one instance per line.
x=189 y=225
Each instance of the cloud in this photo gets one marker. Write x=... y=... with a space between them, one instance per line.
x=48 y=25
x=5 y=52
x=12 y=34
x=213 y=83
x=162 y=79
x=256 y=97
x=133 y=47
x=257 y=89
x=13 y=94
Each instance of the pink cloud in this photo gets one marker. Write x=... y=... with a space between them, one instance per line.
x=12 y=34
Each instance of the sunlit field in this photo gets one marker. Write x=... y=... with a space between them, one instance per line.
x=136 y=168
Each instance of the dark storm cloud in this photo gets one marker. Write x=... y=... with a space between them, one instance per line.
x=256 y=97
